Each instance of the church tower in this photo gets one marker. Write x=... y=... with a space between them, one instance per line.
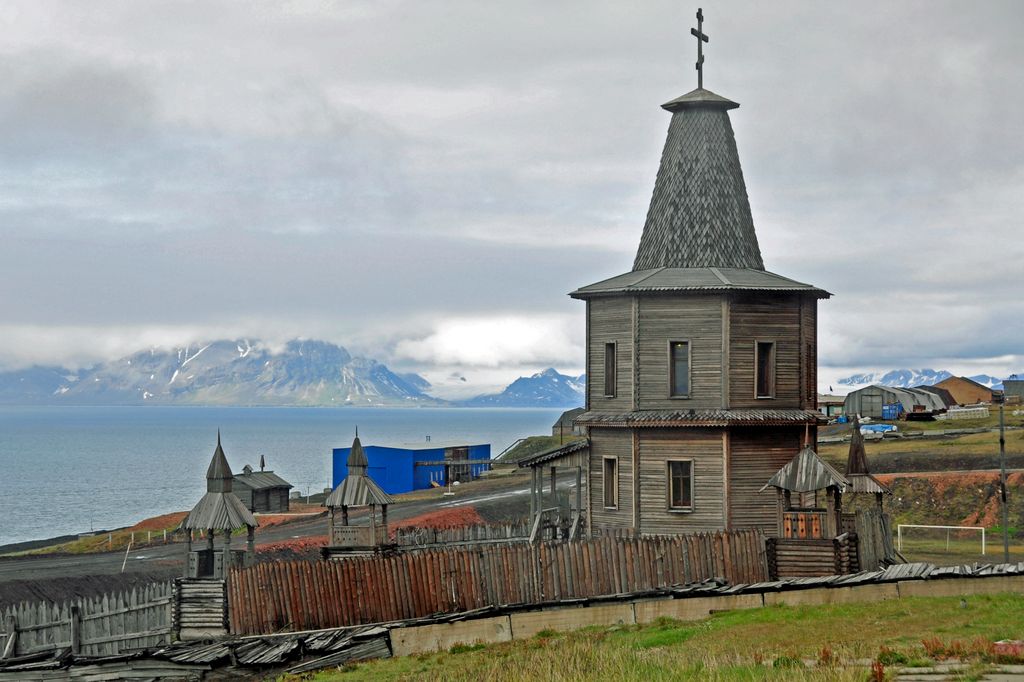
x=701 y=365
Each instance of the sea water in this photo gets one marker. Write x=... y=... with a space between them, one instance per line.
x=67 y=470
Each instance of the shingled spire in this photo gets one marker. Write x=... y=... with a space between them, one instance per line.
x=699 y=215
x=218 y=475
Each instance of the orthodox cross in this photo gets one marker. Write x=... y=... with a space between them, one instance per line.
x=698 y=33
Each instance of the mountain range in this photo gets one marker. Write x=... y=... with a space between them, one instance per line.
x=543 y=389
x=225 y=372
x=245 y=372
x=908 y=378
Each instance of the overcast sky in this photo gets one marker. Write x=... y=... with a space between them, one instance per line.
x=423 y=182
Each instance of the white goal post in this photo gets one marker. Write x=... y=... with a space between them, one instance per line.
x=900 y=527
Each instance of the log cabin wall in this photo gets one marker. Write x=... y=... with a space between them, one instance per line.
x=693 y=318
x=610 y=321
x=705 y=448
x=774 y=318
x=755 y=454
x=616 y=443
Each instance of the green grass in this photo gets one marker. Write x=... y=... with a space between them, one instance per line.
x=775 y=643
x=536 y=444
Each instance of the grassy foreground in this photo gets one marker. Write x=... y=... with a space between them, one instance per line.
x=839 y=642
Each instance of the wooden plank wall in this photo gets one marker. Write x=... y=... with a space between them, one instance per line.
x=95 y=626
x=611 y=443
x=756 y=454
x=697 y=319
x=793 y=558
x=611 y=319
x=705 y=448
x=765 y=318
x=299 y=595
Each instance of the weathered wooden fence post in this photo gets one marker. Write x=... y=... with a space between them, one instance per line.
x=76 y=629
x=11 y=646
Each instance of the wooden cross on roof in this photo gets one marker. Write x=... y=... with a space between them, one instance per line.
x=702 y=38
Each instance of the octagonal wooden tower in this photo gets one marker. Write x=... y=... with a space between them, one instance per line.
x=701 y=365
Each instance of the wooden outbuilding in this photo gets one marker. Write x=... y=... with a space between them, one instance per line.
x=262 y=491
x=565 y=428
x=219 y=510
x=966 y=391
x=357 y=490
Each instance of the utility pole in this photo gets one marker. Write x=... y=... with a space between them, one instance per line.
x=1000 y=397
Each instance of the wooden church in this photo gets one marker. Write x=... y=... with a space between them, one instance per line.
x=701 y=364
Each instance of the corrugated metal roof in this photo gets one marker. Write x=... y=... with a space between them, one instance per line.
x=219 y=511
x=668 y=279
x=699 y=214
x=806 y=473
x=749 y=417
x=260 y=480
x=555 y=453
x=357 y=491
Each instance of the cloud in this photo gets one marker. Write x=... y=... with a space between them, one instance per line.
x=498 y=341
x=405 y=175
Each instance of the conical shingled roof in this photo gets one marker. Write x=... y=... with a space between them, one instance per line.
x=699 y=215
x=806 y=473
x=861 y=480
x=219 y=508
x=857 y=461
x=357 y=457
x=357 y=489
x=218 y=474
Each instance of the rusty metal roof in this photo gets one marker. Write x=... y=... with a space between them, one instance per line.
x=806 y=473
x=717 y=417
x=554 y=453
x=693 y=279
x=219 y=511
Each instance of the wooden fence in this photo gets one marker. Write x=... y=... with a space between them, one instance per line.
x=96 y=626
x=298 y=595
x=412 y=537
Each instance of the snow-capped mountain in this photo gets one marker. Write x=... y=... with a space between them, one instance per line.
x=908 y=378
x=239 y=372
x=544 y=389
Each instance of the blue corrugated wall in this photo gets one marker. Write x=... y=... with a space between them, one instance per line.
x=394 y=469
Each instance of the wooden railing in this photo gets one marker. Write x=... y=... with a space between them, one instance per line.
x=358 y=536
x=806 y=524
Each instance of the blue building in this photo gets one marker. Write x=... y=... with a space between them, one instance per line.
x=401 y=468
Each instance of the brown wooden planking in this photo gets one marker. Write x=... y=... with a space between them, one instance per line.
x=375 y=589
x=693 y=318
